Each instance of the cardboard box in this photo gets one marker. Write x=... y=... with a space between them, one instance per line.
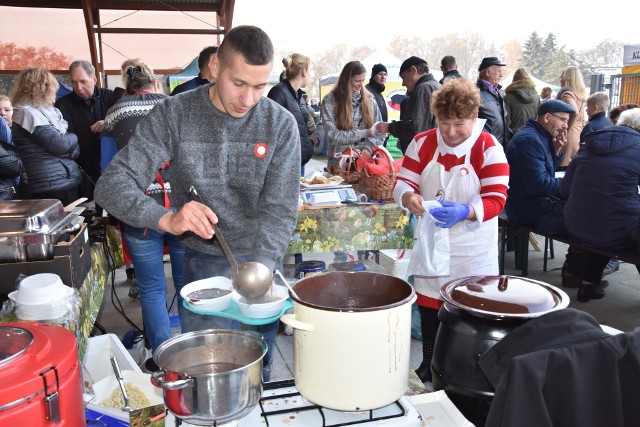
x=96 y=358
x=396 y=261
x=71 y=261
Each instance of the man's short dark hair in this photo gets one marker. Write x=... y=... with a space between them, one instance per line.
x=448 y=62
x=250 y=41
x=205 y=55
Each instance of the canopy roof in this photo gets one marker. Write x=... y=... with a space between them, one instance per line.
x=223 y=10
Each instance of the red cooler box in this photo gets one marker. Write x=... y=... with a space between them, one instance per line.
x=41 y=382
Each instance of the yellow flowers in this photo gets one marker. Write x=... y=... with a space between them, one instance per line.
x=402 y=221
x=308 y=225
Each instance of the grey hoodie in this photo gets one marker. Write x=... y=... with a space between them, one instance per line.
x=255 y=196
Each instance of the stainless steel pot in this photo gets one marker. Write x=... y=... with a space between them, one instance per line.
x=352 y=339
x=210 y=376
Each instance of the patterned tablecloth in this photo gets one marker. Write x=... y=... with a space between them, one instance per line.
x=352 y=227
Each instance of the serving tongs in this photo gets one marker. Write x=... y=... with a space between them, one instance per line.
x=118 y=373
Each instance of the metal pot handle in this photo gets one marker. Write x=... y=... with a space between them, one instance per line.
x=157 y=379
x=290 y=319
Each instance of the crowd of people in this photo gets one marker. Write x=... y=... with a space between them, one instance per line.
x=469 y=146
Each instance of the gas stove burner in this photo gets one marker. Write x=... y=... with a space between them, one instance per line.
x=283 y=405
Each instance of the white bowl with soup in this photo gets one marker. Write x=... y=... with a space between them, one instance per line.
x=213 y=293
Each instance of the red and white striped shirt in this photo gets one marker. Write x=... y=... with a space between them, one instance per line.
x=487 y=159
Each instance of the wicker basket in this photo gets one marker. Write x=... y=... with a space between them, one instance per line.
x=380 y=187
x=349 y=170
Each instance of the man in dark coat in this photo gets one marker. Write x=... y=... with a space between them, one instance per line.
x=602 y=208
x=84 y=109
x=208 y=66
x=533 y=155
x=493 y=108
x=449 y=68
x=415 y=108
x=376 y=87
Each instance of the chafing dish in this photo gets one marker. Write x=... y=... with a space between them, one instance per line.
x=30 y=228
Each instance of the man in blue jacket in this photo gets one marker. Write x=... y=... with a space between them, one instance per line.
x=533 y=155
x=208 y=66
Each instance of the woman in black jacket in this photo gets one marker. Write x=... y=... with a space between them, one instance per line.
x=40 y=134
x=288 y=93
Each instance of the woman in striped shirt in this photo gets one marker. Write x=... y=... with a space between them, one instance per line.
x=466 y=170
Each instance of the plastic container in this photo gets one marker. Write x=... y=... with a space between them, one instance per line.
x=309 y=268
x=96 y=358
x=39 y=289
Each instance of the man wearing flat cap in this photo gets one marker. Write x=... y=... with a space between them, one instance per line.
x=415 y=108
x=376 y=87
x=493 y=107
x=533 y=155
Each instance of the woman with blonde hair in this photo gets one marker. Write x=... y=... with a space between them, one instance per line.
x=573 y=92
x=349 y=113
x=41 y=136
x=145 y=245
x=521 y=98
x=289 y=94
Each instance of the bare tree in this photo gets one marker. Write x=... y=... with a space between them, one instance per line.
x=608 y=53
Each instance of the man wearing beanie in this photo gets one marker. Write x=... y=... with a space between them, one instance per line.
x=533 y=154
x=415 y=109
x=376 y=87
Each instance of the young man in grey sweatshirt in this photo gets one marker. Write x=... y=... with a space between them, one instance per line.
x=240 y=151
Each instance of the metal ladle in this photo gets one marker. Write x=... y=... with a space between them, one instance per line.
x=250 y=279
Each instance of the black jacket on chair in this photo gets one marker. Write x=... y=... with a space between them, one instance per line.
x=283 y=94
x=561 y=369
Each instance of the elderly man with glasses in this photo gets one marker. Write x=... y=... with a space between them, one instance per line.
x=534 y=154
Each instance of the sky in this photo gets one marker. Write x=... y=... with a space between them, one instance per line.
x=312 y=26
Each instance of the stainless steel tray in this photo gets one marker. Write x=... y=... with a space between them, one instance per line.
x=30 y=216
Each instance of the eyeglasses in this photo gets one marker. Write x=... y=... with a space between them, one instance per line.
x=561 y=118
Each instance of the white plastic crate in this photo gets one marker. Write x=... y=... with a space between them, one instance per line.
x=395 y=261
x=96 y=358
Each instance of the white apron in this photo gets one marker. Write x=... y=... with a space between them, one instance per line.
x=472 y=252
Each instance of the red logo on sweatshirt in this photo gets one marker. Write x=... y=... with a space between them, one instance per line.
x=260 y=150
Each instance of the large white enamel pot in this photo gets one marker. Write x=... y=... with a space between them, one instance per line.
x=352 y=338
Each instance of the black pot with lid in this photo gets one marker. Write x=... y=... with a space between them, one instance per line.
x=477 y=313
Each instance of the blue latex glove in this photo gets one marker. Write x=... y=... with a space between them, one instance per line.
x=450 y=214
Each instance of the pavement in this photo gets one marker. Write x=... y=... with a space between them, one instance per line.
x=619 y=309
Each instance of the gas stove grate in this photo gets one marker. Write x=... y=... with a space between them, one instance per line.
x=399 y=410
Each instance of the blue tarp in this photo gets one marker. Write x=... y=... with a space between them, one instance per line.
x=63 y=90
